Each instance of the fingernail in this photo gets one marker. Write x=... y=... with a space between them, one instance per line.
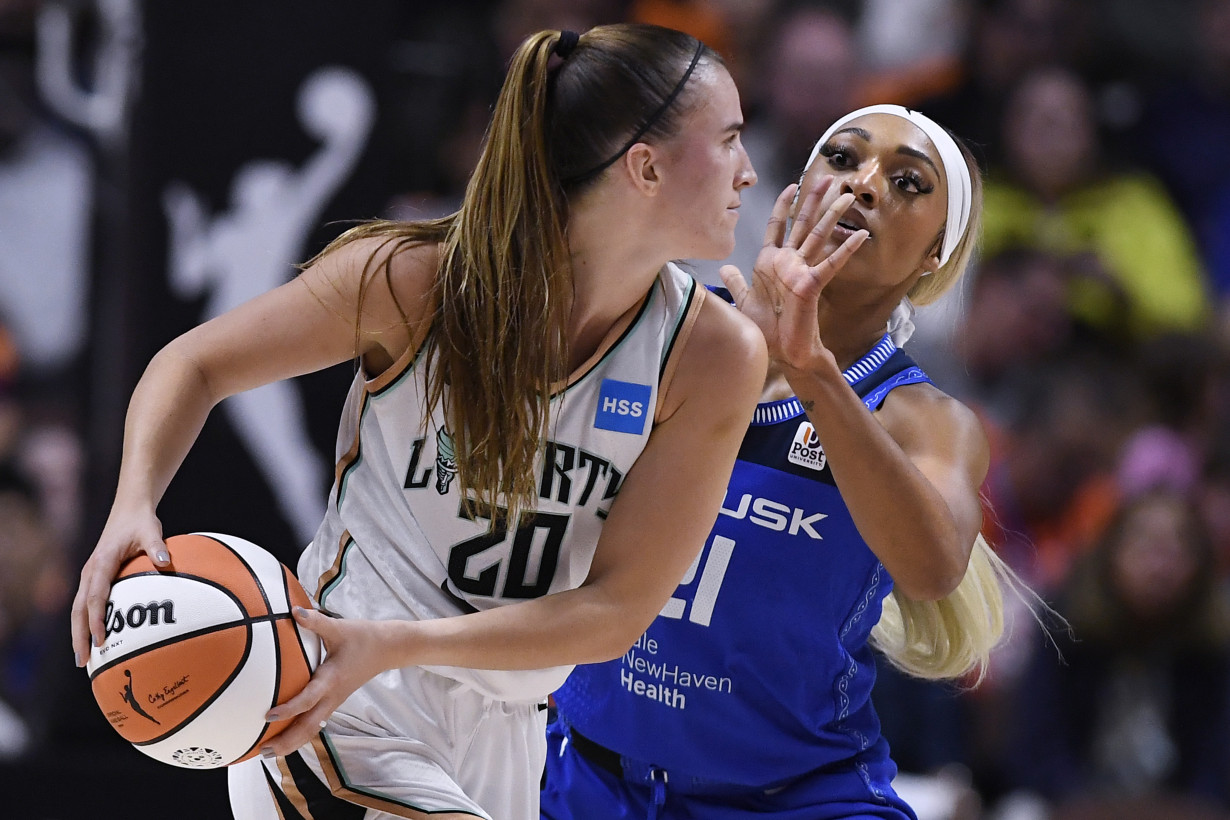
x=272 y=717
x=300 y=611
x=267 y=752
x=162 y=557
x=77 y=658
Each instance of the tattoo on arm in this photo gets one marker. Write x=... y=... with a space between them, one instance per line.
x=808 y=405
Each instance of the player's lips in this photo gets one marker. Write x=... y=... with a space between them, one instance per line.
x=844 y=232
x=852 y=221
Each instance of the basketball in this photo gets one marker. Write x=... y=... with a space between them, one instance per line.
x=196 y=654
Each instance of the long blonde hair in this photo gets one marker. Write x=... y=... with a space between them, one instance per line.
x=953 y=637
x=504 y=284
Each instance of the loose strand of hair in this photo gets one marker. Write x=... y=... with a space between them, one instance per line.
x=402 y=234
x=954 y=637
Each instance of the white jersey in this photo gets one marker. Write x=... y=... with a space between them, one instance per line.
x=397 y=542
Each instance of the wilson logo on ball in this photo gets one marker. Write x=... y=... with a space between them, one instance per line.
x=139 y=615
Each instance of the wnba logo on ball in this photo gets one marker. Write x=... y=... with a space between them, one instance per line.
x=138 y=615
x=805 y=450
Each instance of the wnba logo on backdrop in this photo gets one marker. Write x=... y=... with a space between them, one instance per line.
x=805 y=450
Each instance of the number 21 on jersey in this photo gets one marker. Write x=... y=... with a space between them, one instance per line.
x=715 y=559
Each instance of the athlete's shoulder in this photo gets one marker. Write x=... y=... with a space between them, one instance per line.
x=723 y=361
x=921 y=412
x=381 y=266
x=384 y=282
x=727 y=337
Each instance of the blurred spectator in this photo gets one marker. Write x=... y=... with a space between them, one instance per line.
x=514 y=20
x=1140 y=706
x=912 y=51
x=1051 y=486
x=810 y=61
x=747 y=22
x=1054 y=191
x=811 y=67
x=703 y=19
x=1188 y=386
x=446 y=76
x=734 y=28
x=1157 y=456
x=33 y=588
x=1193 y=112
x=1007 y=39
x=40 y=510
x=1013 y=319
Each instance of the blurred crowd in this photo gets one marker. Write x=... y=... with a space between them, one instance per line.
x=1093 y=337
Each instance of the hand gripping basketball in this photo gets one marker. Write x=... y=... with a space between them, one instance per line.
x=194 y=655
x=356 y=650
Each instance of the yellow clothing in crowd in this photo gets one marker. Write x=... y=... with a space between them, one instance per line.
x=1130 y=224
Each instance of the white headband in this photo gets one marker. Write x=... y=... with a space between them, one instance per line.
x=960 y=187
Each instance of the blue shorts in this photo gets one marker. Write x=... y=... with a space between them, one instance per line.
x=577 y=788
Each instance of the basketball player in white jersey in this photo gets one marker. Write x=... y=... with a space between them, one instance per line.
x=534 y=447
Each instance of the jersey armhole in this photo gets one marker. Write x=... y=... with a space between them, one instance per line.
x=677 y=345
x=405 y=361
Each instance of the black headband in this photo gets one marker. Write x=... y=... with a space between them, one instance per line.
x=566 y=43
x=653 y=118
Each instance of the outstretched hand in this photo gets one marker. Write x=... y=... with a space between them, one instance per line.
x=355 y=652
x=790 y=274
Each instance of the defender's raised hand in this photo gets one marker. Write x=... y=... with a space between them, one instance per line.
x=791 y=271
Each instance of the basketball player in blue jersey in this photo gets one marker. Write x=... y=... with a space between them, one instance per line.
x=534 y=446
x=750 y=692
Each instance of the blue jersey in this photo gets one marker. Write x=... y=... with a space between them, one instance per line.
x=758 y=669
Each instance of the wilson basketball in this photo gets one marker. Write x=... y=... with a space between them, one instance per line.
x=195 y=655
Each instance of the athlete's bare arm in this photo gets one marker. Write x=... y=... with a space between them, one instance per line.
x=910 y=473
x=305 y=325
x=946 y=443
x=657 y=524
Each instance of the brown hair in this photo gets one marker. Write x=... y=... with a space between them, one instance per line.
x=1199 y=617
x=504 y=284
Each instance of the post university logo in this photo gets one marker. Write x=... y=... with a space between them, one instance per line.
x=622 y=406
x=805 y=450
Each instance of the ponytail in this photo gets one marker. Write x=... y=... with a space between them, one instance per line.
x=502 y=294
x=504 y=287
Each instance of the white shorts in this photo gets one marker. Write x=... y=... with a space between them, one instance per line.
x=410 y=743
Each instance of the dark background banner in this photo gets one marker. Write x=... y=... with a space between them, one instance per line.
x=255 y=128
